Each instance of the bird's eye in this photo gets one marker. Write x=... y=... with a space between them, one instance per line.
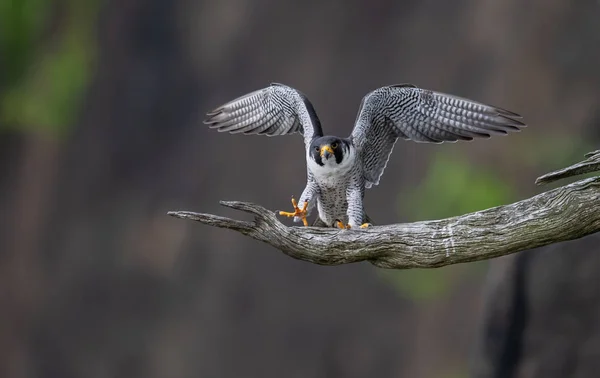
x=334 y=145
x=317 y=149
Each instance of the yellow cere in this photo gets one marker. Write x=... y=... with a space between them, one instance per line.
x=326 y=148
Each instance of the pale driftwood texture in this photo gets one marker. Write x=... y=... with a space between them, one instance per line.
x=591 y=164
x=565 y=213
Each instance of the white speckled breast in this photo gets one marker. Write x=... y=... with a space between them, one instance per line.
x=332 y=205
x=333 y=180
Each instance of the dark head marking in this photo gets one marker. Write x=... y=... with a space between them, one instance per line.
x=328 y=147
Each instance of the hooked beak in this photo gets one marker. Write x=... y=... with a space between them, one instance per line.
x=326 y=151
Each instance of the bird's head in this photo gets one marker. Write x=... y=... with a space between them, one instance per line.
x=328 y=150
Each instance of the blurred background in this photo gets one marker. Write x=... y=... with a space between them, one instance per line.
x=101 y=103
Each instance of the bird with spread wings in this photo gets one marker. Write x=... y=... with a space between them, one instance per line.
x=340 y=169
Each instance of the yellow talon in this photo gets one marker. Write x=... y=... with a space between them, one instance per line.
x=297 y=211
x=341 y=225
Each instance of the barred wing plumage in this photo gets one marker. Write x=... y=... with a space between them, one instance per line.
x=405 y=111
x=274 y=110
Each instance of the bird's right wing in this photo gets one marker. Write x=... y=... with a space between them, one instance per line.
x=274 y=110
x=405 y=111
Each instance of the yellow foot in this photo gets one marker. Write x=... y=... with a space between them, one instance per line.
x=297 y=211
x=341 y=225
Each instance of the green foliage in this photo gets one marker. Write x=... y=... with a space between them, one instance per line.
x=423 y=285
x=456 y=186
x=45 y=74
x=419 y=284
x=20 y=23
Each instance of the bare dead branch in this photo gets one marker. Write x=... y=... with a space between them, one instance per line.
x=561 y=214
x=591 y=164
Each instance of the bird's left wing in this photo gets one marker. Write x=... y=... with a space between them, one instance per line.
x=274 y=110
x=405 y=111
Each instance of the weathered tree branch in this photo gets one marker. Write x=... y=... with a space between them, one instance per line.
x=565 y=213
x=591 y=164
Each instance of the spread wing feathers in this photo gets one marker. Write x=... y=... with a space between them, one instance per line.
x=274 y=110
x=405 y=111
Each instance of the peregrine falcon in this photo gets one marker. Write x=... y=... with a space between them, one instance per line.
x=340 y=169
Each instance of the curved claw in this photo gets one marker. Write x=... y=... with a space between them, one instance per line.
x=297 y=212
